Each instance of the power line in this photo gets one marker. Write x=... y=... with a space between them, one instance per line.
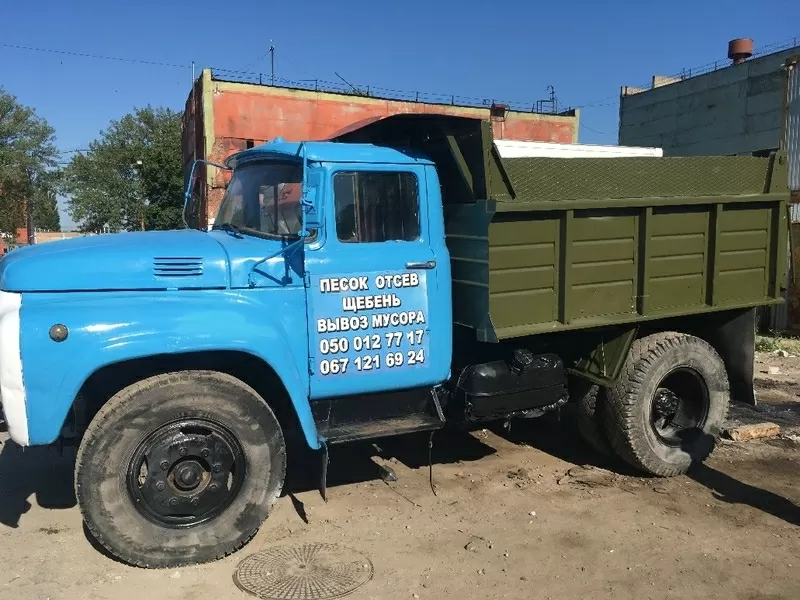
x=444 y=97
x=585 y=126
x=97 y=56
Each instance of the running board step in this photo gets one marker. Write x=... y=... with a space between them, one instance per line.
x=351 y=432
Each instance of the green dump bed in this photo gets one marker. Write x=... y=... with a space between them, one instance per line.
x=583 y=242
x=546 y=244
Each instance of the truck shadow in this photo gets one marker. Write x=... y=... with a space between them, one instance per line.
x=40 y=472
x=558 y=436
x=560 y=439
x=356 y=462
x=730 y=490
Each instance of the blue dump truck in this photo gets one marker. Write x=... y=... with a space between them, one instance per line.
x=402 y=277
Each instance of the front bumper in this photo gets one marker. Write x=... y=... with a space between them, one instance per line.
x=12 y=389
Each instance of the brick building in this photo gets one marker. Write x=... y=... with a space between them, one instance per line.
x=222 y=117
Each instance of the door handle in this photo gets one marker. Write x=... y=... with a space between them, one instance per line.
x=425 y=264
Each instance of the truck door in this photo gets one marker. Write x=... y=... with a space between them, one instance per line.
x=378 y=283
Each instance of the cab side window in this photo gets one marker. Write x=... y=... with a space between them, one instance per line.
x=376 y=206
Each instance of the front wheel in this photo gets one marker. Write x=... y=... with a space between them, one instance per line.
x=179 y=469
x=668 y=406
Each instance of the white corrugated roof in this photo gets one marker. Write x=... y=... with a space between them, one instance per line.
x=517 y=149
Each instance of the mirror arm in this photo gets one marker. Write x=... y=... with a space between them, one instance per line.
x=190 y=183
x=304 y=193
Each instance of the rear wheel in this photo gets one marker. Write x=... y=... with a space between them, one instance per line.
x=179 y=469
x=588 y=405
x=668 y=406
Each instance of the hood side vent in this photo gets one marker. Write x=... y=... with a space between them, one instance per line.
x=177 y=266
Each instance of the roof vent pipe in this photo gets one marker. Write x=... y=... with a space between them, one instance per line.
x=740 y=49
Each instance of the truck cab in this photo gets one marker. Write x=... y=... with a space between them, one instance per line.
x=371 y=275
x=380 y=234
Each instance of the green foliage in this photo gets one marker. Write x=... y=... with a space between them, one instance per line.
x=45 y=205
x=27 y=156
x=773 y=343
x=130 y=179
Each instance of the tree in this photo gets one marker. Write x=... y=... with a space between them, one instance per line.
x=45 y=204
x=27 y=159
x=130 y=179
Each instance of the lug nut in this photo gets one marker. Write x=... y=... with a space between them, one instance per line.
x=164 y=465
x=173 y=501
x=183 y=451
x=213 y=487
x=217 y=467
x=205 y=453
x=195 y=501
x=160 y=486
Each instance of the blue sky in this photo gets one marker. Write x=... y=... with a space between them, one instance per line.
x=508 y=50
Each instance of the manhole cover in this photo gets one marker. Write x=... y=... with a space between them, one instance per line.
x=306 y=572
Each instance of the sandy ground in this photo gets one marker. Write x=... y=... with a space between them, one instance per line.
x=730 y=529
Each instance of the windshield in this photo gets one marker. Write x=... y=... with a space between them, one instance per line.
x=264 y=198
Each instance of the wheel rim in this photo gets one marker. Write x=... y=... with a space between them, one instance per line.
x=186 y=473
x=679 y=407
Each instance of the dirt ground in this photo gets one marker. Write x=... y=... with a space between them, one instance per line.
x=529 y=513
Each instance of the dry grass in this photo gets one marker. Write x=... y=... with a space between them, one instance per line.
x=773 y=343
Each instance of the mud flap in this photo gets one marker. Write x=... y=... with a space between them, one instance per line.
x=734 y=338
x=323 y=479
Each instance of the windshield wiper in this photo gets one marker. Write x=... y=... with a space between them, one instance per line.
x=229 y=227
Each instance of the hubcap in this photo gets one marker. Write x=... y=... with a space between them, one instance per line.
x=186 y=473
x=679 y=407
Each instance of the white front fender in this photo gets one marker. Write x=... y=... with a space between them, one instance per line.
x=12 y=388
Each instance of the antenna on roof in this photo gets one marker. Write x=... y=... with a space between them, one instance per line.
x=272 y=60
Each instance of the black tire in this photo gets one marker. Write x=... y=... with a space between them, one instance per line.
x=588 y=406
x=689 y=369
x=123 y=426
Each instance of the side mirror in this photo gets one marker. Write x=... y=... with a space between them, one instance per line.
x=311 y=216
x=312 y=181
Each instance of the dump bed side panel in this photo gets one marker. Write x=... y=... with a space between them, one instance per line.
x=524 y=269
x=553 y=270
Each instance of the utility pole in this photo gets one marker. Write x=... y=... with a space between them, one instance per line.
x=142 y=200
x=272 y=61
x=31 y=226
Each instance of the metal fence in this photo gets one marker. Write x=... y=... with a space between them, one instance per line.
x=721 y=64
x=548 y=106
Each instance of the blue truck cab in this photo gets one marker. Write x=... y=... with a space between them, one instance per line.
x=252 y=284
x=320 y=309
x=127 y=327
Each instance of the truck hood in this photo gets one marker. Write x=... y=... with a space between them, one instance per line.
x=145 y=260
